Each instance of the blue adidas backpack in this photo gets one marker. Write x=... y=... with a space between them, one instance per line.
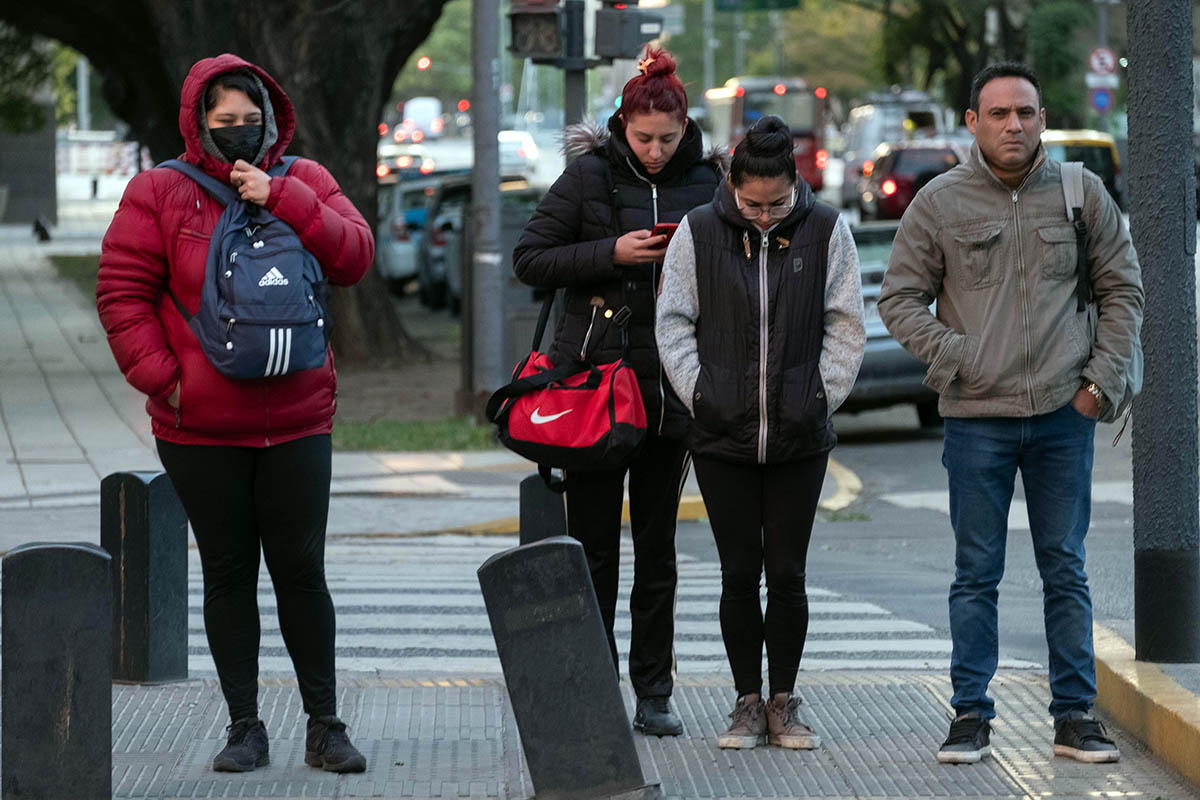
x=261 y=309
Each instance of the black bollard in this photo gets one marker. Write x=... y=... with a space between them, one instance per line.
x=56 y=684
x=543 y=513
x=555 y=655
x=144 y=528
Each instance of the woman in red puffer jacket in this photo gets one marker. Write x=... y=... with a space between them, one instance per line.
x=250 y=459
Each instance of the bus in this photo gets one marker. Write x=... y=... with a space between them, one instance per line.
x=731 y=109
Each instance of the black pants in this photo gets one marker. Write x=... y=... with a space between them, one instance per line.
x=594 y=500
x=241 y=498
x=762 y=515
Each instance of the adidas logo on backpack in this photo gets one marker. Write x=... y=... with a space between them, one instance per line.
x=273 y=278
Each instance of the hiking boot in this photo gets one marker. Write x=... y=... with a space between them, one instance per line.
x=1082 y=737
x=245 y=748
x=327 y=746
x=654 y=717
x=749 y=726
x=969 y=740
x=784 y=728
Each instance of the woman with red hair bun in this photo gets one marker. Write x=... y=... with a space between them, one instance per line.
x=591 y=236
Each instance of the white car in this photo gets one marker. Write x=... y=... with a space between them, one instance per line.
x=519 y=154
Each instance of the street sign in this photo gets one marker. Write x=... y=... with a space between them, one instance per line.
x=1102 y=100
x=1095 y=80
x=1103 y=61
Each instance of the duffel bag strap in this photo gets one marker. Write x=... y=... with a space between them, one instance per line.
x=543 y=318
x=532 y=383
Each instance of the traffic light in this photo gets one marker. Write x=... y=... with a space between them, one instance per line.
x=537 y=29
x=621 y=29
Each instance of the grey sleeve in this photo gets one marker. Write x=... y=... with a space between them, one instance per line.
x=678 y=310
x=845 y=335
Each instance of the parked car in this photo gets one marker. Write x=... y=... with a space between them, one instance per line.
x=1096 y=149
x=899 y=171
x=891 y=116
x=400 y=227
x=440 y=263
x=889 y=374
x=519 y=154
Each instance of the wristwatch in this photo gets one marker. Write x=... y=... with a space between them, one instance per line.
x=1095 y=391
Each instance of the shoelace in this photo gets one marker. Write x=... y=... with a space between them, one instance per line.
x=964 y=730
x=238 y=731
x=334 y=734
x=744 y=712
x=1091 y=730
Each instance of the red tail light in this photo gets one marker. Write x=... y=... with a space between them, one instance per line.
x=418 y=136
x=822 y=159
x=437 y=238
x=399 y=230
x=888 y=188
x=867 y=168
x=382 y=170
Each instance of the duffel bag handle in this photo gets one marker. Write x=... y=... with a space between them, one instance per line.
x=495 y=411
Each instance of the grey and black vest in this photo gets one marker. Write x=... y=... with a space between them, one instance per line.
x=759 y=397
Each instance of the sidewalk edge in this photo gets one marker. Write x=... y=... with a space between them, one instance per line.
x=1147 y=703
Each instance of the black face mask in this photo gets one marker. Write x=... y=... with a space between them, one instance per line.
x=238 y=141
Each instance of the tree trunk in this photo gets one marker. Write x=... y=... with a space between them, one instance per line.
x=336 y=59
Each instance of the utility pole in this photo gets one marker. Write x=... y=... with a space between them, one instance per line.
x=709 y=69
x=777 y=31
x=483 y=316
x=739 y=43
x=574 y=63
x=83 y=90
x=1166 y=524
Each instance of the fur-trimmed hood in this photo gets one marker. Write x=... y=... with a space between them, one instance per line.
x=592 y=136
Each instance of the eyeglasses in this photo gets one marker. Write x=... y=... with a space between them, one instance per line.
x=774 y=211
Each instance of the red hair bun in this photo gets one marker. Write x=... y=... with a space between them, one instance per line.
x=656 y=88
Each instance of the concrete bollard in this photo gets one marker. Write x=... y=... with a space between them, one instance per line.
x=144 y=529
x=543 y=513
x=555 y=655
x=56 y=665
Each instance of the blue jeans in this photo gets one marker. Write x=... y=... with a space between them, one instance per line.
x=982 y=456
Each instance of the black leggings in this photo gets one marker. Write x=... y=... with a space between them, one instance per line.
x=762 y=515
x=238 y=498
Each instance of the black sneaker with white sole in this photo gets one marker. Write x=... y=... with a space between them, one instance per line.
x=245 y=748
x=968 y=742
x=1082 y=737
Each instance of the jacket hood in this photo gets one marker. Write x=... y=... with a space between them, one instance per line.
x=279 y=119
x=726 y=207
x=605 y=141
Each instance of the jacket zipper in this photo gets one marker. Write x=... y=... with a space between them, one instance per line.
x=762 y=350
x=662 y=395
x=1024 y=298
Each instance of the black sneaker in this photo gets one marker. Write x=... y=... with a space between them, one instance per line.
x=654 y=717
x=969 y=740
x=327 y=746
x=246 y=747
x=1082 y=737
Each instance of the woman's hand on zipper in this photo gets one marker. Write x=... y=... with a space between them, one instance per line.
x=639 y=247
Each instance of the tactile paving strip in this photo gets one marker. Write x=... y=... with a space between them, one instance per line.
x=457 y=738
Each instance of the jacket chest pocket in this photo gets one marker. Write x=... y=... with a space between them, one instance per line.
x=1059 y=256
x=976 y=250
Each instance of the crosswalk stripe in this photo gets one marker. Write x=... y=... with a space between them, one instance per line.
x=414 y=605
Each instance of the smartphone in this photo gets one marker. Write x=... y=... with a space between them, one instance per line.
x=665 y=229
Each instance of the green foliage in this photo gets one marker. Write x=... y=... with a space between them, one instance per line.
x=24 y=71
x=1058 y=55
x=79 y=270
x=413 y=435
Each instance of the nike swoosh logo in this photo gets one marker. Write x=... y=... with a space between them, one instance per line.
x=537 y=419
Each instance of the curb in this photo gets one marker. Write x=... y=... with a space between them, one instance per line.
x=1148 y=704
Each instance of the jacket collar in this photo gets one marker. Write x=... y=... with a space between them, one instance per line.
x=608 y=142
x=980 y=165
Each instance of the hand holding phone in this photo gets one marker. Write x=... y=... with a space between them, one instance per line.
x=665 y=229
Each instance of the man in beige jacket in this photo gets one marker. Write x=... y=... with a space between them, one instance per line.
x=1024 y=367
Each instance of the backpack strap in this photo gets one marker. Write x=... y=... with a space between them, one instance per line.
x=1072 y=184
x=220 y=190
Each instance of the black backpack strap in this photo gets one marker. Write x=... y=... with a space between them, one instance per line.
x=494 y=411
x=223 y=192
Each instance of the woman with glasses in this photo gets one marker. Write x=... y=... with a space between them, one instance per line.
x=760 y=331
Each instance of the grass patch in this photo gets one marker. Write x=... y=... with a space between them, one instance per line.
x=401 y=435
x=842 y=515
x=79 y=270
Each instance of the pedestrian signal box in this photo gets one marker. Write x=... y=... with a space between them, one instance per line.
x=622 y=28
x=537 y=29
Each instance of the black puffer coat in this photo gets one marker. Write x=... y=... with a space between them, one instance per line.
x=569 y=241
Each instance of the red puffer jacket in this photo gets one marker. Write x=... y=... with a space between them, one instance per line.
x=159 y=238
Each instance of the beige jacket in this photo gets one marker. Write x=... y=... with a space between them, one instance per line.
x=1006 y=339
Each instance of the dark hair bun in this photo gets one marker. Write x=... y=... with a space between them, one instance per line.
x=769 y=137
